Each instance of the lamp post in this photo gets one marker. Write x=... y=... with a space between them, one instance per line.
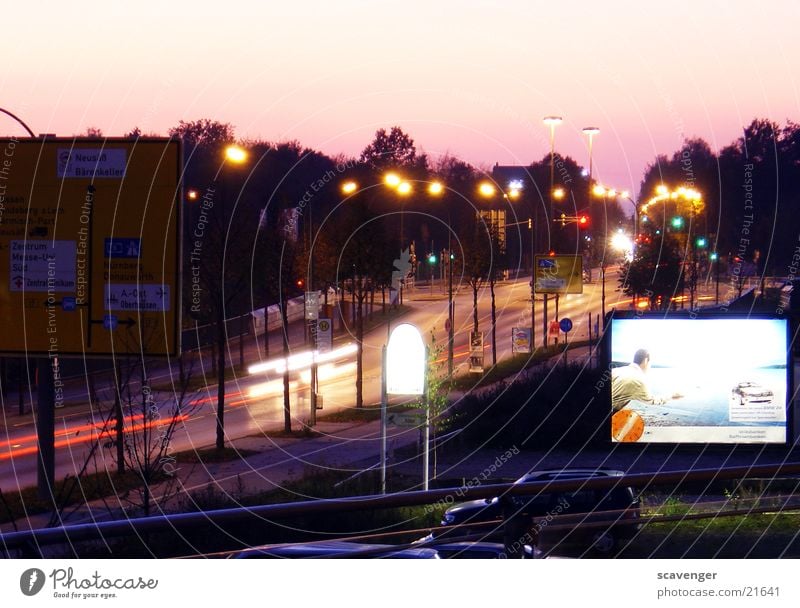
x=590 y=132
x=234 y=155
x=436 y=189
x=552 y=122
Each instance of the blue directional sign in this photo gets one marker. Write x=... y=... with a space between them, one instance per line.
x=122 y=248
x=565 y=324
x=110 y=322
x=68 y=304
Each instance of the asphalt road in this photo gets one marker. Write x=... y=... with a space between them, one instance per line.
x=254 y=403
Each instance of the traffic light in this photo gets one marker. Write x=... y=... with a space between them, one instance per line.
x=713 y=256
x=677 y=222
x=583 y=221
x=701 y=241
x=300 y=283
x=530 y=223
x=431 y=258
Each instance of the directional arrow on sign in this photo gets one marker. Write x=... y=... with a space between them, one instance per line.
x=130 y=322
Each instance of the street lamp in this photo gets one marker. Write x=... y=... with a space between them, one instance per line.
x=552 y=122
x=601 y=191
x=590 y=132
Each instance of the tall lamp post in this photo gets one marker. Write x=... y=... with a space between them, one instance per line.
x=552 y=122
x=233 y=155
x=590 y=132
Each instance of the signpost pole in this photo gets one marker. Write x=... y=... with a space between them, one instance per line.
x=427 y=434
x=45 y=428
x=384 y=406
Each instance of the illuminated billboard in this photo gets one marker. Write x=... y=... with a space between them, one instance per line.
x=711 y=379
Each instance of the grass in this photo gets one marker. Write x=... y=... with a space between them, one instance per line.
x=69 y=491
x=212 y=455
x=511 y=367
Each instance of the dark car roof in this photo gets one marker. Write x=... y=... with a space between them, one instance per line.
x=553 y=474
x=335 y=548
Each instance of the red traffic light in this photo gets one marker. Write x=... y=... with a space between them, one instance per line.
x=583 y=220
x=300 y=283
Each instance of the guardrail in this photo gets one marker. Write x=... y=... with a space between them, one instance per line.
x=31 y=541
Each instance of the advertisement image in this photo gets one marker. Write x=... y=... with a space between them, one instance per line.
x=709 y=380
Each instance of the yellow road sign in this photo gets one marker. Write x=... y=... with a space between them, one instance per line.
x=89 y=246
x=559 y=274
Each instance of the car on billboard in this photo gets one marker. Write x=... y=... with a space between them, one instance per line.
x=597 y=518
x=751 y=392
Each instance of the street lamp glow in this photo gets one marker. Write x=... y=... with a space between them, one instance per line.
x=625 y=194
x=661 y=190
x=621 y=242
x=486 y=189
x=612 y=193
x=435 y=188
x=235 y=154
x=558 y=194
x=513 y=193
x=552 y=121
x=349 y=187
x=599 y=190
x=191 y=195
x=392 y=179
x=404 y=188
x=515 y=184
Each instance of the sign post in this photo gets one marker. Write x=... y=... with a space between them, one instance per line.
x=566 y=326
x=476 y=352
x=90 y=246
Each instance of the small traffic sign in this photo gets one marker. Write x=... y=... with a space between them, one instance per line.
x=565 y=324
x=410 y=420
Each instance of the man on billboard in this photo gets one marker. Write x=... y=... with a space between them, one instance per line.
x=629 y=383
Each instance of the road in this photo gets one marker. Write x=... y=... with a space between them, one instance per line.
x=254 y=403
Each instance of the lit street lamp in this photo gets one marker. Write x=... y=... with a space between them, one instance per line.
x=590 y=132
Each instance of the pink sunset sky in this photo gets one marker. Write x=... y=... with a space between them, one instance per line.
x=472 y=78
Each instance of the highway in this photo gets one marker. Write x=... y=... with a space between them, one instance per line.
x=254 y=403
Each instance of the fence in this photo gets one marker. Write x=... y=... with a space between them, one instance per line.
x=30 y=542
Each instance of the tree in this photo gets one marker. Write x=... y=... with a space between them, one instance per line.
x=476 y=258
x=393 y=149
x=203 y=132
x=655 y=272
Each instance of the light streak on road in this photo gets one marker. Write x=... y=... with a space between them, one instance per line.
x=302 y=360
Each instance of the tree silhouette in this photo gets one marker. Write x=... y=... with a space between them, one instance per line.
x=389 y=150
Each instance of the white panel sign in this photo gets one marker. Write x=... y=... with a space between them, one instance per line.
x=136 y=297
x=405 y=361
x=91 y=162
x=42 y=265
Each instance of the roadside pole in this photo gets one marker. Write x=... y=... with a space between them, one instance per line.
x=45 y=423
x=384 y=407
x=427 y=432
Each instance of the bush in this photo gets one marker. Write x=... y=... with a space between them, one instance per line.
x=555 y=407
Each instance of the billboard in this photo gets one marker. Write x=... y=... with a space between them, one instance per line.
x=701 y=379
x=90 y=246
x=559 y=274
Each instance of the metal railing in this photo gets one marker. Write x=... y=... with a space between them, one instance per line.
x=33 y=540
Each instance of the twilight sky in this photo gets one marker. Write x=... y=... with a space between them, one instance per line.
x=470 y=77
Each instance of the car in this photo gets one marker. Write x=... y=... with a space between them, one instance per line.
x=598 y=518
x=335 y=549
x=751 y=392
x=477 y=550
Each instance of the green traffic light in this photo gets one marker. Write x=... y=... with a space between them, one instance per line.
x=677 y=221
x=431 y=259
x=701 y=241
x=713 y=257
